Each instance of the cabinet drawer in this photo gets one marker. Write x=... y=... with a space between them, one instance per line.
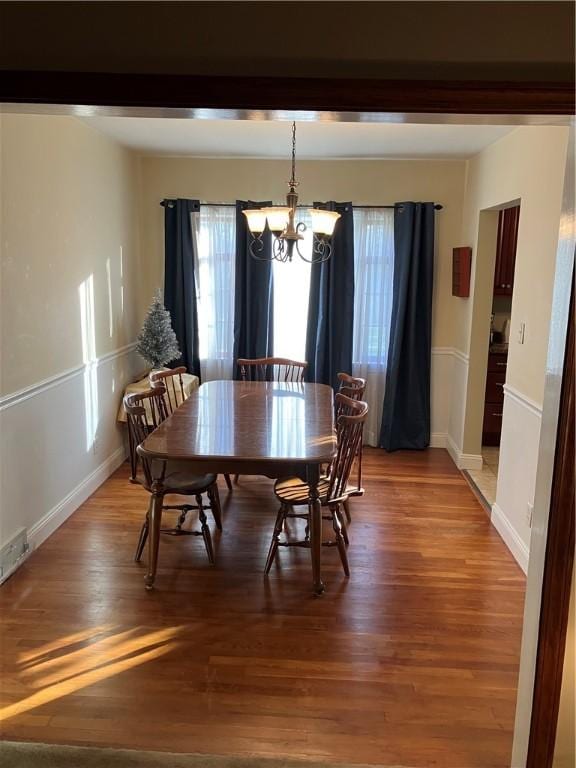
x=495 y=387
x=492 y=418
x=497 y=361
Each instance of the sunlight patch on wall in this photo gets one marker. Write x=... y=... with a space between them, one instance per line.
x=88 y=329
x=110 y=310
x=121 y=281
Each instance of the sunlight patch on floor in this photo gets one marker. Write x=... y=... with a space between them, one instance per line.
x=98 y=661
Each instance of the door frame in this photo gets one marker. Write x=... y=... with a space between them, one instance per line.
x=378 y=100
x=241 y=96
x=559 y=561
x=552 y=541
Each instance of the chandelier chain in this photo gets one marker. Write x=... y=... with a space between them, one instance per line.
x=293 y=179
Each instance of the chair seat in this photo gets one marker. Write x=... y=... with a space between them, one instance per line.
x=179 y=479
x=293 y=490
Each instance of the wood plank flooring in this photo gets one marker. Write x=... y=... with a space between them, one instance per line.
x=413 y=661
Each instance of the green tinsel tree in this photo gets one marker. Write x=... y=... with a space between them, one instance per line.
x=157 y=342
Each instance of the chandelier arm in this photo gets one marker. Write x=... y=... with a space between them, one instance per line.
x=323 y=249
x=256 y=247
x=279 y=249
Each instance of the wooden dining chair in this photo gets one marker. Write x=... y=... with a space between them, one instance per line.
x=171 y=380
x=176 y=478
x=271 y=369
x=175 y=395
x=333 y=489
x=353 y=387
x=351 y=382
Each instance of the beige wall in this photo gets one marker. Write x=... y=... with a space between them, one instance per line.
x=526 y=165
x=68 y=212
x=69 y=296
x=379 y=182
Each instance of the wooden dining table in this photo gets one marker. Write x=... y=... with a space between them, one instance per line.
x=275 y=429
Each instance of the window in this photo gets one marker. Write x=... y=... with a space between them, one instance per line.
x=373 y=277
x=374 y=270
x=291 y=282
x=216 y=234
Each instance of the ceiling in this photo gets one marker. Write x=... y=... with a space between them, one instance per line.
x=251 y=138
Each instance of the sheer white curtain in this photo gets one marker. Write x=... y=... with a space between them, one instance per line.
x=216 y=234
x=291 y=291
x=373 y=276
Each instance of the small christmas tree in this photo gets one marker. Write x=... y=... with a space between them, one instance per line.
x=157 y=342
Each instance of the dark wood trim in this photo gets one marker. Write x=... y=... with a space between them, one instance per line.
x=287 y=93
x=557 y=576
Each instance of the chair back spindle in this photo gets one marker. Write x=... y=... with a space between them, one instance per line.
x=173 y=383
x=271 y=369
x=351 y=383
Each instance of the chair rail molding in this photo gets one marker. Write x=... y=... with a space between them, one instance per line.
x=13 y=398
x=463 y=357
x=443 y=390
x=515 y=394
x=521 y=428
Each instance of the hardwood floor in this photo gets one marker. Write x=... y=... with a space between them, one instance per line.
x=414 y=660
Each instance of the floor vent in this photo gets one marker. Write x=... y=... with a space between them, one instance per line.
x=13 y=553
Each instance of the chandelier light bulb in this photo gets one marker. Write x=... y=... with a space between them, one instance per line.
x=323 y=222
x=256 y=218
x=278 y=217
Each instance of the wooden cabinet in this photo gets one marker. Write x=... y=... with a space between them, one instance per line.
x=506 y=251
x=461 y=264
x=494 y=398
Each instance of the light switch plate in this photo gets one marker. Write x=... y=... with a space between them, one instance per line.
x=521 y=333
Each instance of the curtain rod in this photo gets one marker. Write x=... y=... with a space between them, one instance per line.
x=437 y=206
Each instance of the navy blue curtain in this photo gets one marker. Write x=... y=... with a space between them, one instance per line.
x=406 y=415
x=331 y=305
x=253 y=297
x=179 y=280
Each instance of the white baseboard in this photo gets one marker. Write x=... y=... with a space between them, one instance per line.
x=471 y=461
x=53 y=519
x=438 y=440
x=463 y=460
x=510 y=537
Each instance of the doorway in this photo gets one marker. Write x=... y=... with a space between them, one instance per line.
x=552 y=400
x=485 y=477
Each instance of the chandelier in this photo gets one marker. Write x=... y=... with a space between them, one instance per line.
x=287 y=233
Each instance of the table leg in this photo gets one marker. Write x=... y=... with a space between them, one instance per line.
x=133 y=457
x=155 y=522
x=315 y=510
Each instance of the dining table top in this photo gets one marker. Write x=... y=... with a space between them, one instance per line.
x=249 y=421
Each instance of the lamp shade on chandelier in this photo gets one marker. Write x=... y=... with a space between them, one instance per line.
x=287 y=232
